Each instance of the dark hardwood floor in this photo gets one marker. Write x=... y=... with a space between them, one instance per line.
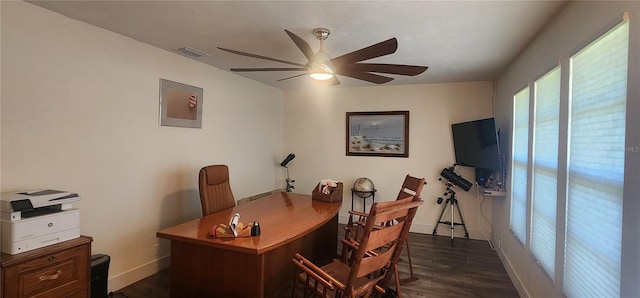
x=469 y=268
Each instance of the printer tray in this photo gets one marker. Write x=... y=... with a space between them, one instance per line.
x=36 y=232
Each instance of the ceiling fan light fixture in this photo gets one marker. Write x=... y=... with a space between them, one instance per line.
x=321 y=76
x=321 y=72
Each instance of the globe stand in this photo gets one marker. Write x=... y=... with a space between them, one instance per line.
x=364 y=195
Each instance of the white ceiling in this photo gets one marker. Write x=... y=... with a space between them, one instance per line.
x=457 y=40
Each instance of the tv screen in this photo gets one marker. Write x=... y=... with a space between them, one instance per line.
x=476 y=144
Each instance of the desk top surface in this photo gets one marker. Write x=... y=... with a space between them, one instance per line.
x=283 y=217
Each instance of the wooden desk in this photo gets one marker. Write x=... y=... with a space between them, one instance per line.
x=258 y=266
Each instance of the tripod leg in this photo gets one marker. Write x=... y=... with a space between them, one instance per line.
x=452 y=200
x=466 y=234
x=439 y=221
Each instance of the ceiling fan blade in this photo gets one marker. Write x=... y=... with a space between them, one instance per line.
x=269 y=69
x=302 y=45
x=386 y=47
x=260 y=57
x=304 y=74
x=365 y=76
x=399 y=69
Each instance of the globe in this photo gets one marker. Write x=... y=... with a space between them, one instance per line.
x=363 y=187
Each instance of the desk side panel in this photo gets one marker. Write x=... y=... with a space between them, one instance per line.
x=203 y=271
x=320 y=246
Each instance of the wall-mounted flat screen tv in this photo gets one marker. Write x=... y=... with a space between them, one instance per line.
x=476 y=144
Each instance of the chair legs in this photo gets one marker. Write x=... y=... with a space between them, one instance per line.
x=395 y=268
x=396 y=274
x=411 y=278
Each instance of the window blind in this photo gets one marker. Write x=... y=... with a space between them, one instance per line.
x=518 y=221
x=596 y=166
x=545 y=170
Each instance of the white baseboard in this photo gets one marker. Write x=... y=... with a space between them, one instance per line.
x=136 y=274
x=515 y=278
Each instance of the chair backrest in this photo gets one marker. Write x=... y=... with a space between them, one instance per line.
x=215 y=190
x=381 y=244
x=412 y=186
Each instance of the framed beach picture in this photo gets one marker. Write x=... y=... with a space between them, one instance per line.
x=180 y=104
x=378 y=133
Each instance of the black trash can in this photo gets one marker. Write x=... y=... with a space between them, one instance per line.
x=99 y=275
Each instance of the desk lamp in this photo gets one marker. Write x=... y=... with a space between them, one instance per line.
x=284 y=163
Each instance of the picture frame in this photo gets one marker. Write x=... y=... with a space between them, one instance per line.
x=378 y=134
x=180 y=104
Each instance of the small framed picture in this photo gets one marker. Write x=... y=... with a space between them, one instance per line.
x=378 y=133
x=180 y=104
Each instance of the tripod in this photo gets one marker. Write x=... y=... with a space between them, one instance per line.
x=454 y=205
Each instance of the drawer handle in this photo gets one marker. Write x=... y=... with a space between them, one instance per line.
x=50 y=277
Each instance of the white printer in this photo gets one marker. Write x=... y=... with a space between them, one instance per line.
x=34 y=219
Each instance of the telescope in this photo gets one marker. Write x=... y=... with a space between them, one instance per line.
x=456 y=179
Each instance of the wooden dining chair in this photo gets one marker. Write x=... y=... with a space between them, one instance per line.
x=215 y=190
x=412 y=186
x=373 y=260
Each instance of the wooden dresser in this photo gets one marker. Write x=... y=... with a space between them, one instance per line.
x=58 y=270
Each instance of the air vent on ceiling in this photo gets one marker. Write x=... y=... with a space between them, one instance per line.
x=192 y=52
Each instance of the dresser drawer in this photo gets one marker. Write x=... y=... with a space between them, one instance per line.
x=59 y=274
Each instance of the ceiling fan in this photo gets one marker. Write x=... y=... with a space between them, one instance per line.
x=321 y=67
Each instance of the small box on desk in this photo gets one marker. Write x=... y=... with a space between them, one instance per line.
x=334 y=195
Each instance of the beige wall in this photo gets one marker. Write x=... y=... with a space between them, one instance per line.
x=580 y=23
x=80 y=108
x=315 y=131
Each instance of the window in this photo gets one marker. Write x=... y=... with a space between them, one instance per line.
x=519 y=164
x=545 y=169
x=596 y=166
x=576 y=167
